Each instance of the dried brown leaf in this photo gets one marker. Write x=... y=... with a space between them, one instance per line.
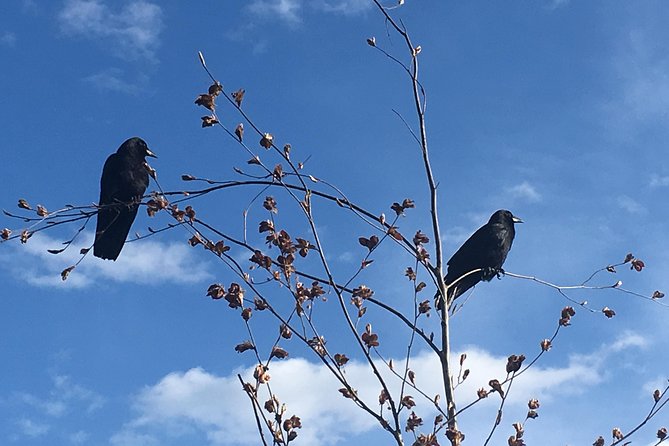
x=278 y=352
x=267 y=140
x=617 y=433
x=216 y=291
x=25 y=235
x=270 y=204
x=546 y=345
x=369 y=243
x=496 y=386
x=394 y=233
x=239 y=131
x=215 y=89
x=66 y=272
x=238 y=96
x=514 y=363
x=609 y=313
x=348 y=393
x=206 y=101
x=244 y=346
x=340 y=359
x=408 y=402
x=209 y=121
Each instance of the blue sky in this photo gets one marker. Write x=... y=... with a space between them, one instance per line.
x=554 y=109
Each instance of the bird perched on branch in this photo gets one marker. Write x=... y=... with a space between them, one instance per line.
x=486 y=250
x=123 y=183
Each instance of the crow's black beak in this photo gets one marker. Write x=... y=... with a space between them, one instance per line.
x=516 y=219
x=150 y=153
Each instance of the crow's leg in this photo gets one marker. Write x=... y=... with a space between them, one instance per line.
x=489 y=272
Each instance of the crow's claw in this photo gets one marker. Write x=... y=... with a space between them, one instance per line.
x=488 y=273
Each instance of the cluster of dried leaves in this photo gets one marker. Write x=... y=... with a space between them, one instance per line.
x=282 y=427
x=286 y=259
x=618 y=435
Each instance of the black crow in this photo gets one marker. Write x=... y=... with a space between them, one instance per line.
x=123 y=183
x=487 y=249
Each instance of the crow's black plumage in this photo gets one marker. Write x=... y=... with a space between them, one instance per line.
x=123 y=183
x=487 y=248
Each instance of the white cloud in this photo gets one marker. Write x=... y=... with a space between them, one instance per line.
x=52 y=408
x=348 y=7
x=145 y=261
x=630 y=205
x=8 y=38
x=524 y=191
x=79 y=437
x=290 y=11
x=29 y=6
x=641 y=66
x=647 y=86
x=287 y=10
x=113 y=80
x=628 y=339
x=556 y=4
x=63 y=395
x=134 y=30
x=455 y=236
x=659 y=383
x=31 y=428
x=216 y=406
x=659 y=180
x=130 y=438
x=346 y=257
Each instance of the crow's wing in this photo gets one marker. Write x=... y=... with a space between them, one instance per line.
x=110 y=183
x=114 y=222
x=486 y=248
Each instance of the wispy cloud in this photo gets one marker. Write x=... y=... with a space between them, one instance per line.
x=78 y=437
x=524 y=191
x=63 y=395
x=348 y=7
x=286 y=10
x=455 y=236
x=200 y=400
x=134 y=31
x=640 y=65
x=49 y=412
x=291 y=11
x=141 y=262
x=32 y=429
x=556 y=4
x=647 y=82
x=659 y=180
x=8 y=39
x=114 y=80
x=630 y=205
x=128 y=437
x=29 y=6
x=627 y=340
